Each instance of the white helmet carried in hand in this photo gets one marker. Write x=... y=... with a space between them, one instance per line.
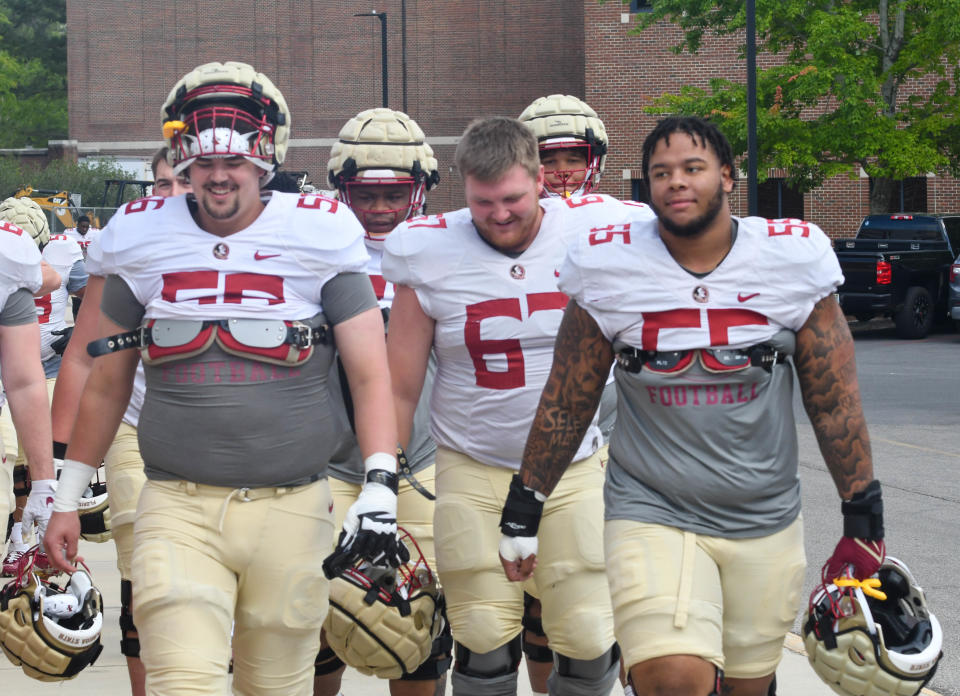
x=28 y=216
x=383 y=621
x=864 y=642
x=379 y=147
x=562 y=121
x=226 y=110
x=51 y=631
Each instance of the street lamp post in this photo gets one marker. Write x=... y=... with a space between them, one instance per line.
x=751 y=107
x=382 y=16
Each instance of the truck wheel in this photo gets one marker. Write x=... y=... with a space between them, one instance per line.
x=915 y=318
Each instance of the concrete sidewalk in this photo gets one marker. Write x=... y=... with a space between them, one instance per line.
x=108 y=677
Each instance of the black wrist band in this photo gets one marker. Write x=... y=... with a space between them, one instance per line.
x=863 y=513
x=521 y=512
x=387 y=478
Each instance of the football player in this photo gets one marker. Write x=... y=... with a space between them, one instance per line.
x=233 y=300
x=381 y=166
x=21 y=276
x=573 y=149
x=122 y=462
x=64 y=256
x=478 y=286
x=573 y=144
x=83 y=234
x=709 y=317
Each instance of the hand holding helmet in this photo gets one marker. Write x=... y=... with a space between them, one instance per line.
x=861 y=549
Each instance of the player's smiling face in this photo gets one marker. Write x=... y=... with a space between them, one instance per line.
x=506 y=212
x=688 y=185
x=564 y=168
x=227 y=191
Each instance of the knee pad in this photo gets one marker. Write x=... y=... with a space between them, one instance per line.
x=464 y=685
x=572 y=677
x=21 y=483
x=533 y=625
x=496 y=663
x=129 y=638
x=437 y=664
x=327 y=662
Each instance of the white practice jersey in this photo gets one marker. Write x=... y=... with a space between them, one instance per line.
x=83 y=240
x=704 y=448
x=19 y=262
x=497 y=318
x=277 y=266
x=61 y=253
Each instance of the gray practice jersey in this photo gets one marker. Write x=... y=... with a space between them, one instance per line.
x=699 y=446
x=232 y=419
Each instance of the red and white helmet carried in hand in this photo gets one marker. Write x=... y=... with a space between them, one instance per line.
x=381 y=151
x=226 y=110
x=564 y=122
x=876 y=637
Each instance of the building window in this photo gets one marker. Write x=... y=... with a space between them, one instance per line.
x=639 y=191
x=908 y=195
x=641 y=6
x=776 y=200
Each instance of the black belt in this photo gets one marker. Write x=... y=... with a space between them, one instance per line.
x=407 y=472
x=761 y=355
x=300 y=335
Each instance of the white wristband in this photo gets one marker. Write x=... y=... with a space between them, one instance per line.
x=380 y=460
x=74 y=478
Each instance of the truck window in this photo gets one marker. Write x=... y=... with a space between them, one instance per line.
x=953 y=232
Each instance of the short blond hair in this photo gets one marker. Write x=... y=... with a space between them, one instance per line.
x=489 y=147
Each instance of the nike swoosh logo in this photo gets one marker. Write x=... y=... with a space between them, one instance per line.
x=743 y=298
x=260 y=257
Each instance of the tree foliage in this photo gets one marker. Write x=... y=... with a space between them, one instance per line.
x=858 y=83
x=33 y=72
x=86 y=178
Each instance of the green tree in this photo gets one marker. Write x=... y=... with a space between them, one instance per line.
x=845 y=92
x=33 y=72
x=86 y=178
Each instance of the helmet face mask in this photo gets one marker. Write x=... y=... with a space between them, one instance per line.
x=561 y=122
x=859 y=643
x=381 y=201
x=382 y=147
x=570 y=168
x=226 y=110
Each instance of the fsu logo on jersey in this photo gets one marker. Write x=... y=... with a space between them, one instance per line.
x=517 y=272
x=221 y=251
x=701 y=294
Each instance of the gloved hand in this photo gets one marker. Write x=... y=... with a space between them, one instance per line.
x=861 y=549
x=519 y=523
x=370 y=527
x=39 y=506
x=60 y=344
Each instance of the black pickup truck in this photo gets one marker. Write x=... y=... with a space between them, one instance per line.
x=898 y=266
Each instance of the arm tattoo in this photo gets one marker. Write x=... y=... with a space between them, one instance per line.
x=827 y=372
x=581 y=363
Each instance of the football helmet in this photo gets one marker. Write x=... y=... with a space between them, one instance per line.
x=51 y=631
x=563 y=122
x=28 y=216
x=383 y=621
x=94 y=510
x=875 y=637
x=382 y=147
x=226 y=110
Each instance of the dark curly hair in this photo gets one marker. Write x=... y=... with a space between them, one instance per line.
x=702 y=131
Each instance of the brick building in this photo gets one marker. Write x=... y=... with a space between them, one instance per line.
x=463 y=60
